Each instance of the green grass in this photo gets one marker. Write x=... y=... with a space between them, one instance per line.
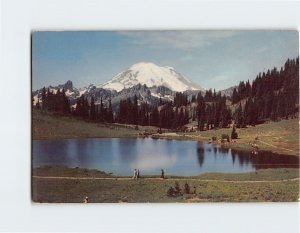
x=264 y=174
x=155 y=190
x=47 y=125
x=62 y=171
x=280 y=137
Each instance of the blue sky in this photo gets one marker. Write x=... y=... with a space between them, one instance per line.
x=213 y=59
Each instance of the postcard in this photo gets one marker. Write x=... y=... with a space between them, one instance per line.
x=165 y=116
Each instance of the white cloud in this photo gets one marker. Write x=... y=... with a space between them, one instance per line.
x=176 y=39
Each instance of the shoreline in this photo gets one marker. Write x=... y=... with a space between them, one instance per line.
x=77 y=172
x=278 y=137
x=232 y=145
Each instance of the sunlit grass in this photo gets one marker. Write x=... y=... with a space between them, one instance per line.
x=155 y=190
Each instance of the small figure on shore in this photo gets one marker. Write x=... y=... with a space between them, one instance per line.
x=86 y=199
x=195 y=190
x=138 y=174
x=134 y=174
x=162 y=174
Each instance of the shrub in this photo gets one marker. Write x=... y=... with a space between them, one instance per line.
x=214 y=138
x=174 y=192
x=186 y=188
x=225 y=137
x=177 y=188
x=171 y=192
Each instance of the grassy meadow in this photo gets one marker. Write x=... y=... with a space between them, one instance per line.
x=280 y=137
x=46 y=125
x=269 y=185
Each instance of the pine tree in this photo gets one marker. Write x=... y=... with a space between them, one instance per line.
x=235 y=97
x=239 y=116
x=110 y=112
x=201 y=111
x=93 y=109
x=155 y=117
x=234 y=134
x=135 y=110
x=44 y=99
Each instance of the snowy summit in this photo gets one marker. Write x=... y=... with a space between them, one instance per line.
x=151 y=75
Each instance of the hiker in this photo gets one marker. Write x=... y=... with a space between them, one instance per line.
x=195 y=190
x=134 y=174
x=86 y=199
x=138 y=174
x=162 y=174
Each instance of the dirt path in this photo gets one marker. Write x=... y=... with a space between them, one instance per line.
x=127 y=178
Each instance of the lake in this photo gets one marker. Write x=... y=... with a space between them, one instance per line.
x=121 y=155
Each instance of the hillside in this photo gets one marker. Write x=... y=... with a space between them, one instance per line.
x=50 y=126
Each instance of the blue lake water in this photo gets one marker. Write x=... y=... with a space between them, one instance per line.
x=121 y=155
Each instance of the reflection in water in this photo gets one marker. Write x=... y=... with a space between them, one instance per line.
x=215 y=150
x=223 y=150
x=200 y=154
x=265 y=159
x=234 y=154
x=200 y=159
x=121 y=156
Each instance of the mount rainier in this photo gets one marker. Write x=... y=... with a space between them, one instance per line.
x=147 y=81
x=150 y=75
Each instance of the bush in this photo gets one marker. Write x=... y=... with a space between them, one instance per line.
x=177 y=188
x=186 y=188
x=174 y=192
x=225 y=137
x=171 y=192
x=214 y=138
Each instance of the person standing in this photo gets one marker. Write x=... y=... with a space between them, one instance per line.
x=138 y=174
x=86 y=199
x=162 y=174
x=134 y=174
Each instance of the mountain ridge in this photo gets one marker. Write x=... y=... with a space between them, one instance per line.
x=145 y=79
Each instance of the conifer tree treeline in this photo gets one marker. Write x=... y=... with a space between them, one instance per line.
x=55 y=102
x=212 y=111
x=164 y=115
x=89 y=110
x=272 y=95
x=58 y=102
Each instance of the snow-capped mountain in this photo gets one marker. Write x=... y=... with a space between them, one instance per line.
x=147 y=81
x=151 y=75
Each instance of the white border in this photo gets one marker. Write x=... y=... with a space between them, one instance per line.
x=19 y=18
